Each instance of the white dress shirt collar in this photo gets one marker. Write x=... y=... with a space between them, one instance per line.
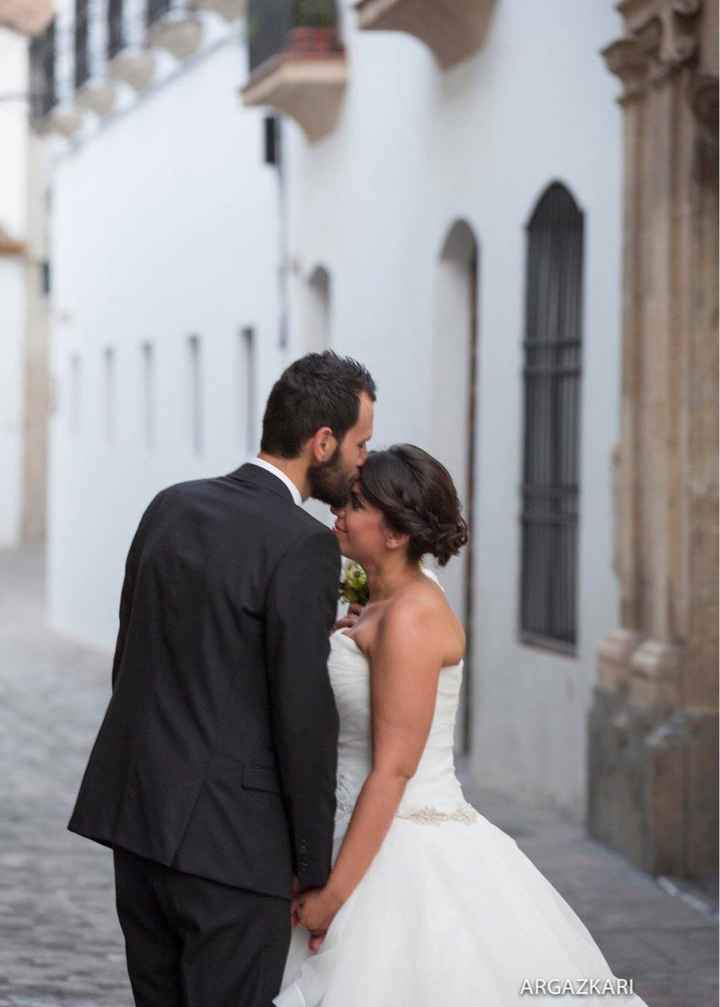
x=269 y=467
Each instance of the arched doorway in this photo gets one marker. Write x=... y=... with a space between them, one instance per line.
x=455 y=370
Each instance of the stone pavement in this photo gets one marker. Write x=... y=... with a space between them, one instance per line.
x=59 y=940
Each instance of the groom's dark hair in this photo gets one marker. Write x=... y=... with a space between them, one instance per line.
x=318 y=390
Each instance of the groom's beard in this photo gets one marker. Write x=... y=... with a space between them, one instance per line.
x=329 y=481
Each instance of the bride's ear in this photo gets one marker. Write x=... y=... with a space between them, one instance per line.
x=396 y=540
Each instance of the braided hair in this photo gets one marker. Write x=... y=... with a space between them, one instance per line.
x=417 y=497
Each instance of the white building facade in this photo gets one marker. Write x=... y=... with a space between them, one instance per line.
x=23 y=285
x=13 y=232
x=451 y=215
x=165 y=238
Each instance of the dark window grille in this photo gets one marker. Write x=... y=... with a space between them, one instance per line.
x=82 y=37
x=42 y=72
x=156 y=9
x=115 y=27
x=268 y=24
x=552 y=378
x=272 y=140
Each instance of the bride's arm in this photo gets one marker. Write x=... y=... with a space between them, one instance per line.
x=405 y=663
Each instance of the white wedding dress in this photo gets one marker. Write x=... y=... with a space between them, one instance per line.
x=451 y=913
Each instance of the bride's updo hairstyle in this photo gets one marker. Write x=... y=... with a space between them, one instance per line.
x=418 y=498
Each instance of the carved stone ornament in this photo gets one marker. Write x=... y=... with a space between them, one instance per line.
x=704 y=103
x=662 y=37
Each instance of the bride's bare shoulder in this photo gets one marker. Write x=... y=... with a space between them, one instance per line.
x=421 y=611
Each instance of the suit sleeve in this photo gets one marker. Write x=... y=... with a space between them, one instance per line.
x=128 y=588
x=301 y=611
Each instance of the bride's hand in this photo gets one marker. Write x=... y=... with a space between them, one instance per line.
x=351 y=616
x=315 y=910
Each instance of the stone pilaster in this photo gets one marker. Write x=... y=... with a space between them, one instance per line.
x=653 y=725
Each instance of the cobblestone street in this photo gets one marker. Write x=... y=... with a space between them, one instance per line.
x=59 y=939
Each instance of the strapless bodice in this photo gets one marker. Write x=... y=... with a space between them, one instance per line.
x=434 y=792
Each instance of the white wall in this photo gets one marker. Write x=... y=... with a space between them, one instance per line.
x=164 y=226
x=417 y=149
x=13 y=197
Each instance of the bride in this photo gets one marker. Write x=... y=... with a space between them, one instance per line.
x=428 y=903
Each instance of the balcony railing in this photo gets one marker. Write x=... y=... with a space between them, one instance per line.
x=81 y=43
x=42 y=73
x=269 y=25
x=93 y=92
x=174 y=27
x=116 y=40
x=231 y=10
x=156 y=9
x=297 y=64
x=128 y=61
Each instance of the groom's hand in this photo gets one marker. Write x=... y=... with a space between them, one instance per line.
x=351 y=616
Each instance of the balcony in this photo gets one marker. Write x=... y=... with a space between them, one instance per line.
x=231 y=10
x=297 y=64
x=453 y=29
x=173 y=27
x=46 y=115
x=127 y=61
x=43 y=96
x=10 y=246
x=92 y=92
x=66 y=120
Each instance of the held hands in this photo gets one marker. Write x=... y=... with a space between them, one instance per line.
x=315 y=910
x=351 y=616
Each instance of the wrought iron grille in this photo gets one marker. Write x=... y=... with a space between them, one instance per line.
x=115 y=27
x=42 y=72
x=156 y=9
x=268 y=24
x=82 y=38
x=552 y=378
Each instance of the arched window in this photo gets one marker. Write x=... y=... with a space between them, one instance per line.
x=552 y=376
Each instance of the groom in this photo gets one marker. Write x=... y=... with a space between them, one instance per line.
x=213 y=774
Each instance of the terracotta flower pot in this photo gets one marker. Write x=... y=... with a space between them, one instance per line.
x=313 y=40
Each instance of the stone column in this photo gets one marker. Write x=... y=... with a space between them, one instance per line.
x=654 y=720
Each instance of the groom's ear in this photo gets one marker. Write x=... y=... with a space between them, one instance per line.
x=323 y=444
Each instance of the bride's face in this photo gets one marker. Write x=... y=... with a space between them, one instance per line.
x=360 y=528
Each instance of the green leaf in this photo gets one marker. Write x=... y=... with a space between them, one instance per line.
x=315 y=14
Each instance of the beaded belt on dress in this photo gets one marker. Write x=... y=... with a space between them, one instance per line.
x=465 y=813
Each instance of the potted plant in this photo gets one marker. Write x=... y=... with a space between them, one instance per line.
x=314 y=27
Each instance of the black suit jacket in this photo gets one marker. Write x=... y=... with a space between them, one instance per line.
x=218 y=751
